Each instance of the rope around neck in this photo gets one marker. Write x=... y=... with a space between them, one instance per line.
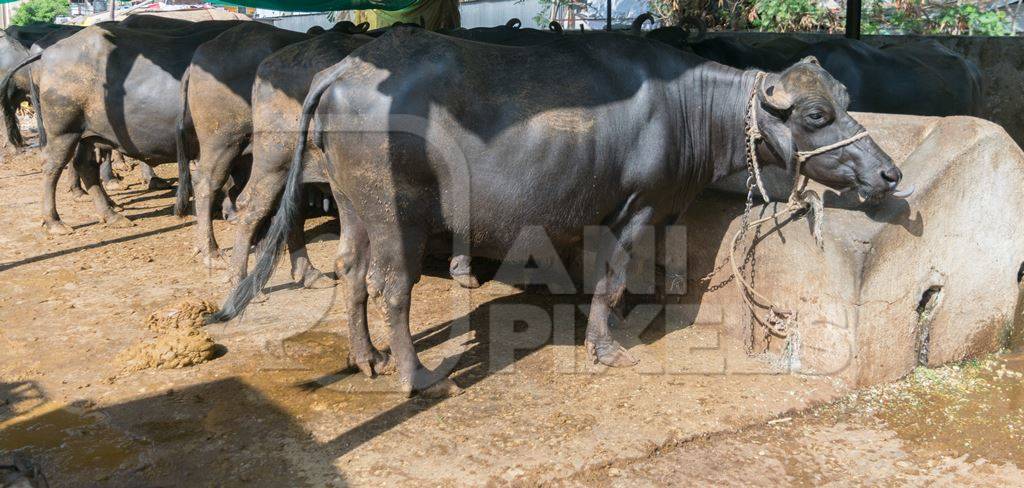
x=776 y=321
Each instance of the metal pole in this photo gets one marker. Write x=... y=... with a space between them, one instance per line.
x=113 y=9
x=608 y=26
x=853 y=19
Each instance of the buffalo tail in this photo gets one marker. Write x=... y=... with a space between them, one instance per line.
x=287 y=213
x=184 y=191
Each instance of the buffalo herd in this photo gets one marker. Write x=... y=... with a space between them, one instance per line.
x=467 y=137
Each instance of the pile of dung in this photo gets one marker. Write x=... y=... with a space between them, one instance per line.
x=178 y=339
x=186 y=316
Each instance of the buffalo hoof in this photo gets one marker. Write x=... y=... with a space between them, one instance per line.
x=611 y=354
x=115 y=206
x=429 y=384
x=377 y=363
x=215 y=260
x=466 y=281
x=58 y=228
x=315 y=280
x=158 y=184
x=118 y=221
x=114 y=184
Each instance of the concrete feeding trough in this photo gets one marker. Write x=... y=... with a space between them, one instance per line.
x=923 y=281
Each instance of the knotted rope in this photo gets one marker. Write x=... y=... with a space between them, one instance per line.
x=777 y=321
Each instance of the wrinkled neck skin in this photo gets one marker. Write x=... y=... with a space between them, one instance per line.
x=715 y=99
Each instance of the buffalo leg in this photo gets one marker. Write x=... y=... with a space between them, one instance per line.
x=239 y=177
x=228 y=209
x=74 y=184
x=302 y=269
x=396 y=256
x=59 y=151
x=110 y=180
x=608 y=292
x=254 y=206
x=211 y=174
x=461 y=271
x=352 y=262
x=105 y=157
x=88 y=169
x=153 y=182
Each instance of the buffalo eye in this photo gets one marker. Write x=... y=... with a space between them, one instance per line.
x=817 y=118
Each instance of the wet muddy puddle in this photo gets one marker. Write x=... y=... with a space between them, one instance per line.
x=68 y=436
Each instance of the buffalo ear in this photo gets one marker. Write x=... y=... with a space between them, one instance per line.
x=811 y=59
x=772 y=94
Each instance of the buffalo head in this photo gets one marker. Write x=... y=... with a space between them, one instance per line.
x=804 y=110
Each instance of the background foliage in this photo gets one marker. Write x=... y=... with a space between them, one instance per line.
x=40 y=11
x=930 y=17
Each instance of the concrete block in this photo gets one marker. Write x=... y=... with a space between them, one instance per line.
x=927 y=280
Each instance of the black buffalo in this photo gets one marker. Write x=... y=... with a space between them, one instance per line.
x=921 y=77
x=26 y=35
x=916 y=78
x=19 y=42
x=281 y=83
x=111 y=87
x=429 y=136
x=19 y=88
x=215 y=126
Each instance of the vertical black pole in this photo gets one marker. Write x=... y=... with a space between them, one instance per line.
x=853 y=19
x=608 y=26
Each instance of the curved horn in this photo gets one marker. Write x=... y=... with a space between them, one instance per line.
x=697 y=23
x=555 y=27
x=639 y=21
x=773 y=94
x=513 y=23
x=905 y=192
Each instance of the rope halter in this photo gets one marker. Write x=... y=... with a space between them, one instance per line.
x=777 y=320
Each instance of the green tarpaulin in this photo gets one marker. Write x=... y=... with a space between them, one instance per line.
x=312 y=5
x=320 y=5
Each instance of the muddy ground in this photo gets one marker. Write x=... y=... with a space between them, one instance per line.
x=276 y=406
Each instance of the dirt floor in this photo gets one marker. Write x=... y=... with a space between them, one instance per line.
x=958 y=425
x=84 y=396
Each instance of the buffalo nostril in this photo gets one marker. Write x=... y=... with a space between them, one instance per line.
x=892 y=175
